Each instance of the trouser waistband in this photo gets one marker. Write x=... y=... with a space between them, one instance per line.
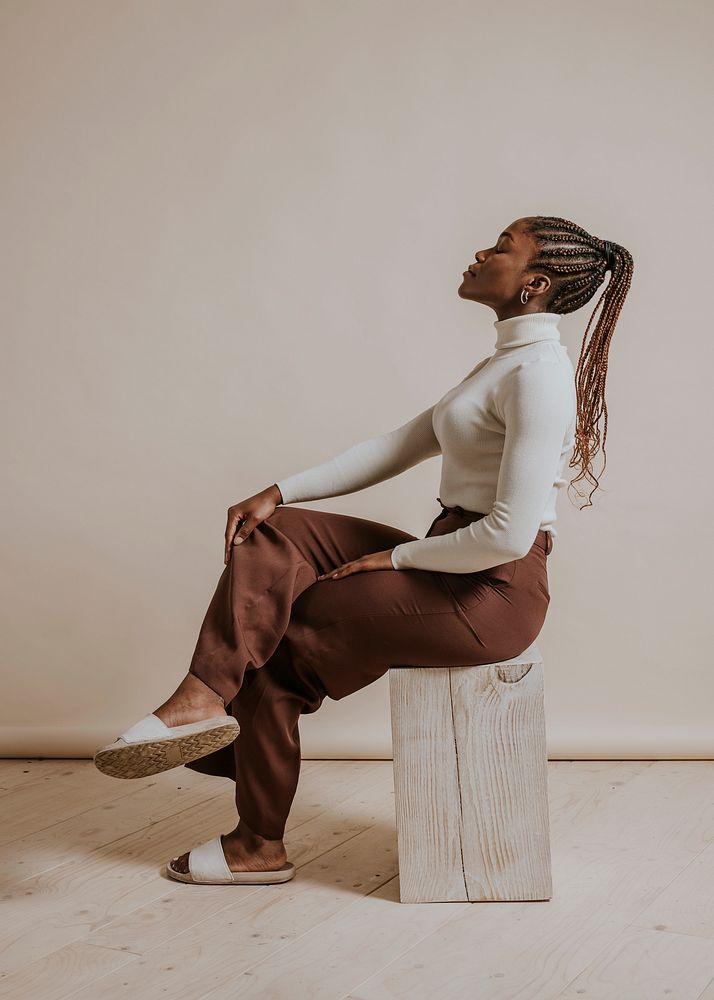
x=543 y=537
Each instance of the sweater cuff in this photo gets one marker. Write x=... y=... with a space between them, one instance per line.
x=284 y=487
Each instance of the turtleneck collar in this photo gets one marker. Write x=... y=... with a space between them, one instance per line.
x=517 y=331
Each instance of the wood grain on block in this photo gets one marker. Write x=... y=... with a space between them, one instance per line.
x=426 y=787
x=470 y=781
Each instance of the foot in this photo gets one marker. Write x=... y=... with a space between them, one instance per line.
x=245 y=851
x=192 y=701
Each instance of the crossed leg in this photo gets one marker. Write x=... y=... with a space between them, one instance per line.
x=241 y=662
x=275 y=641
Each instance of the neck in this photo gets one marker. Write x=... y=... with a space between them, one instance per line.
x=526 y=329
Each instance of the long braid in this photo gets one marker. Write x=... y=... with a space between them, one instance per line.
x=577 y=262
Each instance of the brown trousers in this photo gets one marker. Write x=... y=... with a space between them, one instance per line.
x=275 y=641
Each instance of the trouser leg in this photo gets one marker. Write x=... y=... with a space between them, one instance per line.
x=281 y=558
x=240 y=652
x=265 y=759
x=267 y=752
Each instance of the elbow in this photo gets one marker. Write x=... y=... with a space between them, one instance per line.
x=514 y=547
x=509 y=533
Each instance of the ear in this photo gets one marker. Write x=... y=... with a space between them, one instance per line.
x=539 y=284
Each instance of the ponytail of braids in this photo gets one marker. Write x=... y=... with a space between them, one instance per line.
x=577 y=262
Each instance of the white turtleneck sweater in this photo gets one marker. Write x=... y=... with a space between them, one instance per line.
x=504 y=434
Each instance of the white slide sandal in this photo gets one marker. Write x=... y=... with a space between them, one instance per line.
x=150 y=746
x=207 y=865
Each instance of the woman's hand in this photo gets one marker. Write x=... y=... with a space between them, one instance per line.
x=375 y=560
x=250 y=512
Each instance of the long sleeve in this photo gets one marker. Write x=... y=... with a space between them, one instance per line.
x=536 y=403
x=366 y=463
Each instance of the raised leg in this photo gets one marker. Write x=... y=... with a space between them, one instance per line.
x=251 y=606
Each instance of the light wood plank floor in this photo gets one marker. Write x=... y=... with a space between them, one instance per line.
x=88 y=912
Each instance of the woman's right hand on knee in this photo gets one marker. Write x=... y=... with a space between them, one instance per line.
x=249 y=514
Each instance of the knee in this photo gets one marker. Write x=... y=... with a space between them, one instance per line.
x=295 y=676
x=286 y=518
x=313 y=689
x=287 y=514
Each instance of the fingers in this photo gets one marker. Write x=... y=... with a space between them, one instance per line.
x=336 y=574
x=234 y=518
x=245 y=529
x=373 y=561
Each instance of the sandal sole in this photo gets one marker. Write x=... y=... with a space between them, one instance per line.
x=137 y=760
x=283 y=874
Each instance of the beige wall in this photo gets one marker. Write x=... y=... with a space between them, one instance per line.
x=233 y=236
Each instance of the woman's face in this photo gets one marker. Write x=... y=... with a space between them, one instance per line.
x=499 y=274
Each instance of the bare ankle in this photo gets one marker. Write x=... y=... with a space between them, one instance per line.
x=192 y=701
x=252 y=841
x=197 y=690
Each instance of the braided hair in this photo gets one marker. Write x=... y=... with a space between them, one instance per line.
x=576 y=263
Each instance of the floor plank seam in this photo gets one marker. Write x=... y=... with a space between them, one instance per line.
x=103 y=846
x=172 y=890
x=288 y=944
x=108 y=947
x=229 y=903
x=707 y=988
x=93 y=983
x=65 y=819
x=463 y=908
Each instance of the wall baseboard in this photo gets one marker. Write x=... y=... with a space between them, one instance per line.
x=72 y=742
x=75 y=742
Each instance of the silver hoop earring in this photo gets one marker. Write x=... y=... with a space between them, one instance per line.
x=524 y=292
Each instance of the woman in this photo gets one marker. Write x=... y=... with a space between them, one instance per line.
x=312 y=603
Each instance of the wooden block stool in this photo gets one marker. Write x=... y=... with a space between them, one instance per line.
x=470 y=781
